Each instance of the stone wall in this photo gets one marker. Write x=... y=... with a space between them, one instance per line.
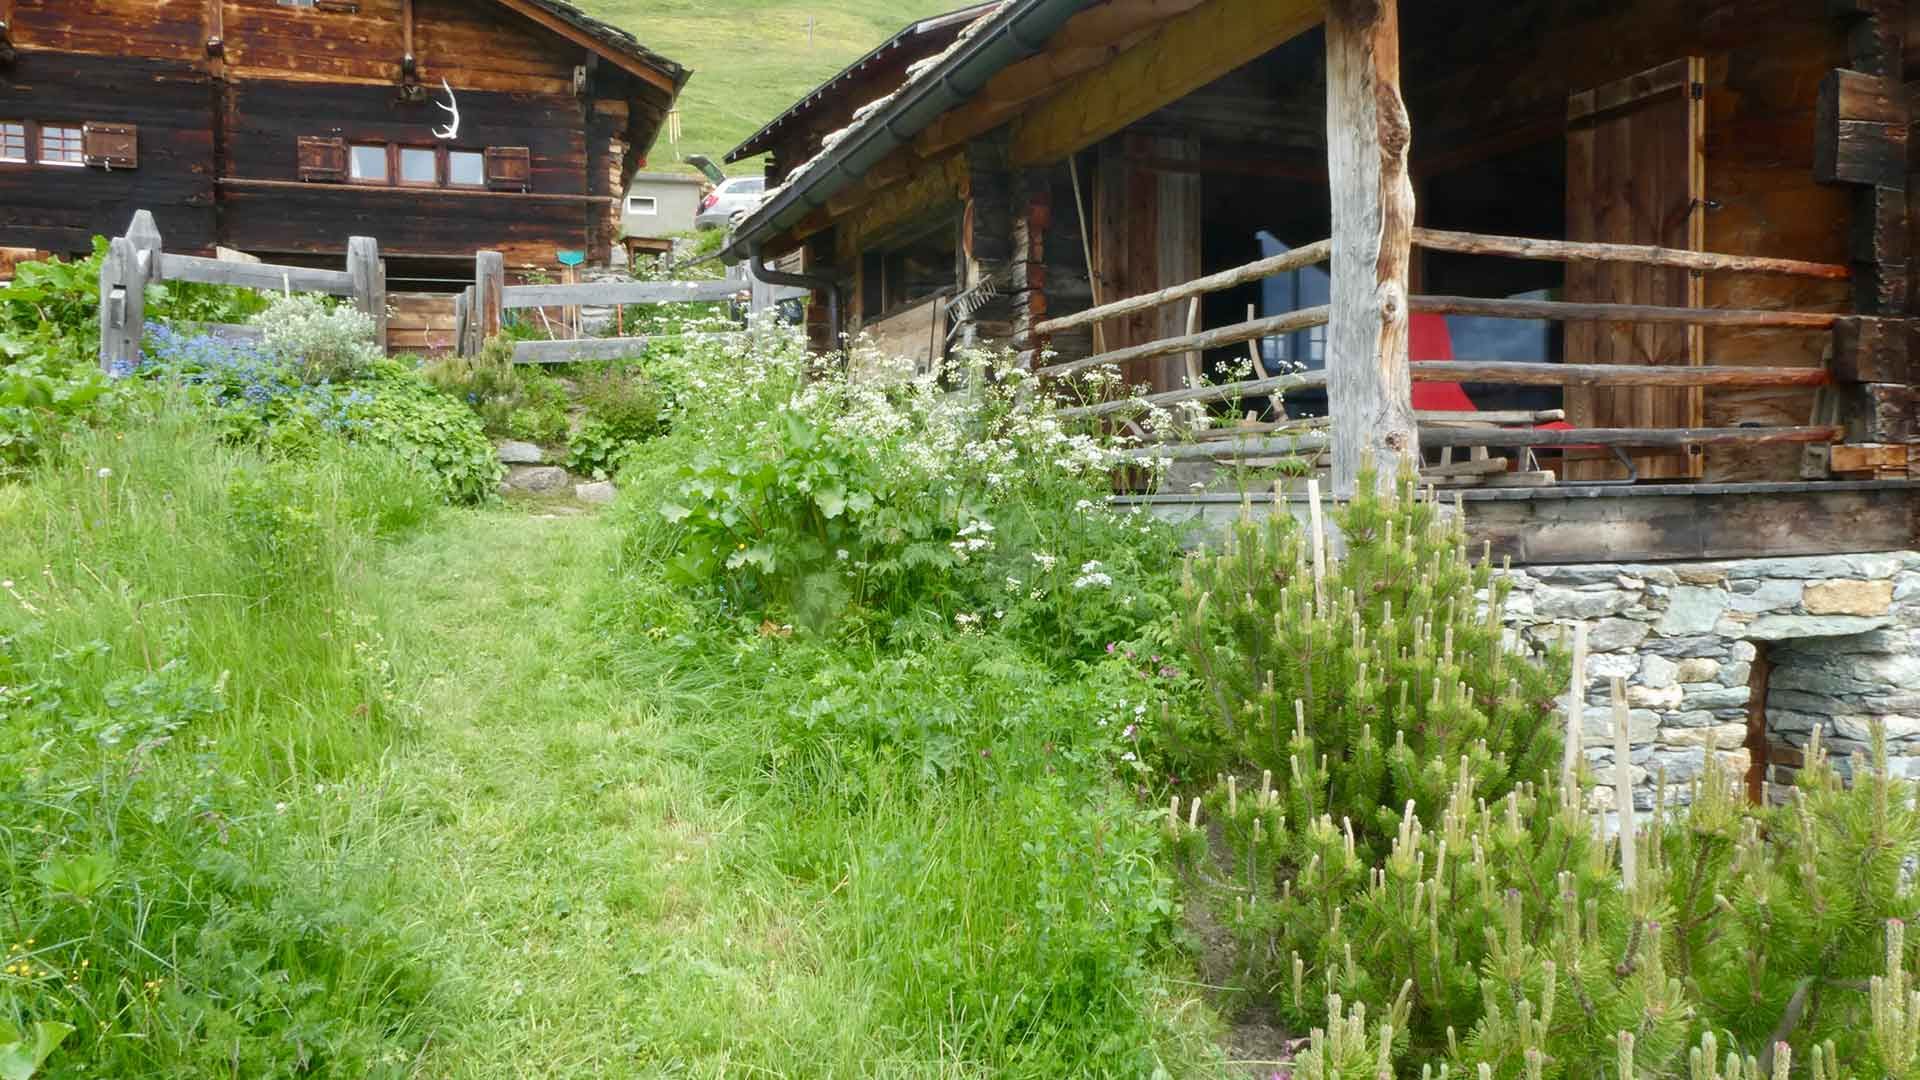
x=1840 y=634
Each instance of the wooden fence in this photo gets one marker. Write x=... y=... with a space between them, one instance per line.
x=139 y=259
x=480 y=310
x=1260 y=441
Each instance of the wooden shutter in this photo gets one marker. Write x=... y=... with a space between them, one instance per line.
x=323 y=160
x=111 y=146
x=509 y=168
x=1636 y=174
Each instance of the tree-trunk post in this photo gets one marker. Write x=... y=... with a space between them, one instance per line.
x=1369 y=389
x=369 y=282
x=112 y=306
x=489 y=283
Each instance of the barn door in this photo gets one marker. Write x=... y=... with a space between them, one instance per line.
x=1147 y=237
x=1636 y=174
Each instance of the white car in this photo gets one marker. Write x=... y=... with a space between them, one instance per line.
x=732 y=197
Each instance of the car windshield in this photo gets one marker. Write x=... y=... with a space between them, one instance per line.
x=747 y=187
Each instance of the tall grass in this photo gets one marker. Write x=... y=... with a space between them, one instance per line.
x=186 y=662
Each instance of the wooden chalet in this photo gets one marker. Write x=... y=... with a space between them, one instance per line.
x=1635 y=275
x=281 y=127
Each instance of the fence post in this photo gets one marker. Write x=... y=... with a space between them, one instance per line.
x=489 y=281
x=759 y=294
x=132 y=261
x=460 y=317
x=369 y=282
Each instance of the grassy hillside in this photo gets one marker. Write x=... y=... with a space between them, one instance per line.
x=751 y=58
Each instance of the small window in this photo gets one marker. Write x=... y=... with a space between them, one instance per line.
x=370 y=164
x=13 y=141
x=752 y=186
x=418 y=165
x=61 y=145
x=642 y=204
x=466 y=168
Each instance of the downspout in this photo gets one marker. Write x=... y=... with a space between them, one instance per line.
x=815 y=282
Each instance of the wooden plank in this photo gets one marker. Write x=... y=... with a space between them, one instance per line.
x=265 y=276
x=1671 y=77
x=603 y=293
x=1251 y=388
x=369 y=279
x=584 y=349
x=631 y=64
x=412 y=193
x=1627 y=437
x=1868 y=457
x=1368 y=131
x=1211 y=339
x=1571 y=524
x=1182 y=55
x=489 y=281
x=1567 y=251
x=1860 y=130
x=1307 y=442
x=1867 y=348
x=1305 y=255
x=1659 y=314
x=1589 y=375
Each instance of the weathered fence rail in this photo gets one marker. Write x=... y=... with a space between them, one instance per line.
x=139 y=259
x=1438 y=433
x=480 y=310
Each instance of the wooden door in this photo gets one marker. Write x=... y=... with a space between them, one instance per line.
x=1147 y=237
x=1636 y=174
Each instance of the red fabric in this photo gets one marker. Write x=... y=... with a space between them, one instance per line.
x=1428 y=339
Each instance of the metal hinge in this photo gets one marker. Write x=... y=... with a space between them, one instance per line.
x=1698 y=90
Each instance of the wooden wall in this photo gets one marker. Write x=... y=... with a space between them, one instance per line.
x=1498 y=76
x=61 y=209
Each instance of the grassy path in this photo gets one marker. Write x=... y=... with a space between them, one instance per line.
x=553 y=852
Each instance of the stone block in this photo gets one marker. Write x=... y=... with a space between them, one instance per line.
x=515 y=452
x=1681 y=765
x=1766 y=594
x=1696 y=645
x=599 y=493
x=1691 y=718
x=1581 y=574
x=1849 y=597
x=1604 y=666
x=1706 y=574
x=1718 y=736
x=1596 y=727
x=1612 y=635
x=1658 y=672
x=537 y=479
x=1659 y=698
x=1714 y=696
x=1741 y=652
x=1788 y=627
x=1554 y=602
x=1860 y=728
x=1733 y=674
x=1697 y=669
x=1693 y=610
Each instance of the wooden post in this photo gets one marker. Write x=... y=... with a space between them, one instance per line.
x=1623 y=781
x=460 y=316
x=369 y=282
x=1576 y=711
x=132 y=261
x=489 y=281
x=1369 y=389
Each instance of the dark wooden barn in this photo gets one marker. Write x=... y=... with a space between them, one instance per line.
x=280 y=127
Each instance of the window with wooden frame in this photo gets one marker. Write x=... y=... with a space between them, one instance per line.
x=62 y=144
x=13 y=142
x=332 y=160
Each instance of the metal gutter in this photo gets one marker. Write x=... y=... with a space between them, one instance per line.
x=1018 y=31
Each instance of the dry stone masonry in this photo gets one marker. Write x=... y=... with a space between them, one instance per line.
x=1840 y=635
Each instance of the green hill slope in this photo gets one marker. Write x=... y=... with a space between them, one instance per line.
x=751 y=58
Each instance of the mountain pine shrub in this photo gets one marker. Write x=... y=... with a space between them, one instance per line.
x=1403 y=875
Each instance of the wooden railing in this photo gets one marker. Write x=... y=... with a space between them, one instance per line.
x=480 y=310
x=138 y=259
x=1517 y=374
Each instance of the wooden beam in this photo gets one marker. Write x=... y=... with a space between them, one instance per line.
x=369 y=279
x=1625 y=313
x=1251 y=388
x=1211 y=339
x=1182 y=55
x=409 y=65
x=264 y=276
x=621 y=292
x=1635 y=437
x=578 y=350
x=1520 y=247
x=489 y=282
x=1676 y=375
x=632 y=65
x=1369 y=389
